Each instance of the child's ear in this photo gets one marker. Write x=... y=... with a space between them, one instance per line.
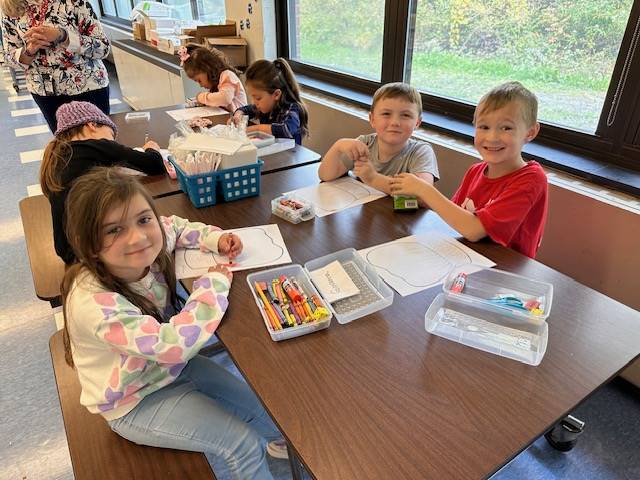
x=533 y=132
x=277 y=93
x=371 y=118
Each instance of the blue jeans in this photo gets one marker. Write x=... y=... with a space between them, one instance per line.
x=206 y=409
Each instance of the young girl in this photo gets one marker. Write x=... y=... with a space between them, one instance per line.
x=133 y=343
x=212 y=71
x=277 y=106
x=85 y=138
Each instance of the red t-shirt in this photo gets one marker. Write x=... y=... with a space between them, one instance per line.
x=512 y=208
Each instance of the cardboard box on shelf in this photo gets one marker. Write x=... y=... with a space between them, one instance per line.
x=138 y=31
x=234 y=48
x=168 y=44
x=200 y=32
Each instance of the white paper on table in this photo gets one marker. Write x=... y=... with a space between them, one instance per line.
x=189 y=113
x=417 y=262
x=280 y=145
x=340 y=194
x=333 y=282
x=208 y=143
x=263 y=246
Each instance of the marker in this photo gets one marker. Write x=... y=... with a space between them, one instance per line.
x=294 y=295
x=458 y=283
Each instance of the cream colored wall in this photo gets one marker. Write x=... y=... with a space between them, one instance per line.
x=586 y=239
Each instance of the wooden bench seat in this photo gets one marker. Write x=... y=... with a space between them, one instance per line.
x=98 y=453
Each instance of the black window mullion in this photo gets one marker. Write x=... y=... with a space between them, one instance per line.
x=618 y=117
x=282 y=28
x=389 y=42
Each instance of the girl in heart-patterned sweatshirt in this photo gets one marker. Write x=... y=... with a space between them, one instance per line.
x=135 y=343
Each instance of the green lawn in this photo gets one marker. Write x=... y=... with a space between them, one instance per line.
x=570 y=95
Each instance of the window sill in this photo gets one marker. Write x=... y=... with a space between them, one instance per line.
x=596 y=171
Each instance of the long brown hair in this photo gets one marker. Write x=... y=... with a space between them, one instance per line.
x=56 y=155
x=90 y=199
x=277 y=75
x=209 y=61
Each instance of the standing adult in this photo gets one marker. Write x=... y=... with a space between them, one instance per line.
x=60 y=46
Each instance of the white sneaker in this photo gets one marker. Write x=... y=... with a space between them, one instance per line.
x=278 y=449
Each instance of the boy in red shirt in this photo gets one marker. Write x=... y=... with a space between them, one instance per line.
x=503 y=196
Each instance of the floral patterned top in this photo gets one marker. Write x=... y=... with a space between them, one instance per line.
x=76 y=69
x=122 y=355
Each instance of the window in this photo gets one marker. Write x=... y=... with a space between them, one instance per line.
x=582 y=59
x=348 y=40
x=206 y=11
x=108 y=7
x=123 y=8
x=564 y=51
x=181 y=9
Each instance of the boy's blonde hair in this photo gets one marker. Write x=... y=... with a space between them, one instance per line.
x=506 y=93
x=398 y=90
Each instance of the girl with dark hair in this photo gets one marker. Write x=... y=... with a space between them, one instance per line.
x=212 y=71
x=135 y=344
x=277 y=106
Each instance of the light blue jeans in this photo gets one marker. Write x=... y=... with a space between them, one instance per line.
x=206 y=409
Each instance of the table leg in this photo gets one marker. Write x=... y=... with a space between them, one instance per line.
x=294 y=463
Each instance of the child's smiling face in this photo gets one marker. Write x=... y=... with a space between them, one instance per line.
x=394 y=120
x=500 y=135
x=131 y=239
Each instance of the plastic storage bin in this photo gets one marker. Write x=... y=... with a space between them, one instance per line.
x=206 y=189
x=374 y=293
x=291 y=271
x=489 y=313
x=282 y=207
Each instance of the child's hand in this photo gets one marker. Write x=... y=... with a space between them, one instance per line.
x=363 y=168
x=354 y=149
x=223 y=270
x=201 y=97
x=230 y=245
x=407 y=184
x=151 y=144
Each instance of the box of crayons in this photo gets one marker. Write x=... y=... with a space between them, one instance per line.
x=289 y=303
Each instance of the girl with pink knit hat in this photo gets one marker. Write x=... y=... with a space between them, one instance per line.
x=85 y=138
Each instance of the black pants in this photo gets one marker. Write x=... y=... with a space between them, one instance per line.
x=49 y=104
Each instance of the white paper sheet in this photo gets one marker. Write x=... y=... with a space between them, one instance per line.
x=263 y=246
x=415 y=263
x=189 y=113
x=340 y=194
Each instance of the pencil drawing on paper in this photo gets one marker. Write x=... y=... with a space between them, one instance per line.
x=340 y=194
x=262 y=246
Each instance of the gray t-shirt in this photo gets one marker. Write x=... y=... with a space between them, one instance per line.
x=415 y=157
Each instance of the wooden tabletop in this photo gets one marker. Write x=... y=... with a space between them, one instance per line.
x=160 y=127
x=380 y=398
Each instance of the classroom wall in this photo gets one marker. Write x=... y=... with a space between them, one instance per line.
x=589 y=240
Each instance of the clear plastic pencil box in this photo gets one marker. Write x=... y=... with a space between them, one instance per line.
x=494 y=311
x=293 y=209
x=374 y=293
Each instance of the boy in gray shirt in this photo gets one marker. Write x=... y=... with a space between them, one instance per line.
x=375 y=158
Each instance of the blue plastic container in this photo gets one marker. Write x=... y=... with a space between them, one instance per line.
x=205 y=189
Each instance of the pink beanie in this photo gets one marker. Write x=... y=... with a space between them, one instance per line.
x=73 y=114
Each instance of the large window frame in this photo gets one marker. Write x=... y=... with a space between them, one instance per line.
x=125 y=22
x=616 y=141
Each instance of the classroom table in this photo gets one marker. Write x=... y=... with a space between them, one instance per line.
x=160 y=127
x=379 y=397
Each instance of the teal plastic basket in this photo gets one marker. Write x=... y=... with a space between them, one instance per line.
x=206 y=189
